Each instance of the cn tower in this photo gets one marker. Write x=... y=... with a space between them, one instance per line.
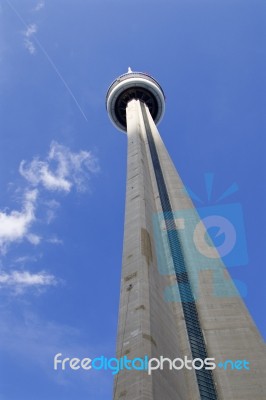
x=171 y=305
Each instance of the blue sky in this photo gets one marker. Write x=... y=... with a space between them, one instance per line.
x=63 y=164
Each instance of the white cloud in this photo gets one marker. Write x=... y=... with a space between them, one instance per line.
x=29 y=46
x=52 y=206
x=39 y=6
x=14 y=226
x=34 y=239
x=17 y=282
x=50 y=216
x=28 y=43
x=25 y=259
x=22 y=279
x=31 y=29
x=54 y=240
x=61 y=170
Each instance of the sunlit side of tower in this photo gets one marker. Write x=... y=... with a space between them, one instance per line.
x=169 y=304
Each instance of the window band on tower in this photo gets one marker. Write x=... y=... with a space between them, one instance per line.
x=195 y=335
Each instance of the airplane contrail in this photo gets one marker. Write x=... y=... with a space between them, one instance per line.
x=49 y=59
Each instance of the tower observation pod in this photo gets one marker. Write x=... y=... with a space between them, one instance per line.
x=138 y=86
x=184 y=332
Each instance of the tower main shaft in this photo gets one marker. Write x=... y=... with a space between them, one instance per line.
x=168 y=302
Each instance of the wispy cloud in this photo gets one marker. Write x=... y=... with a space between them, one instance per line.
x=54 y=240
x=20 y=280
x=25 y=259
x=15 y=225
x=34 y=239
x=29 y=46
x=31 y=29
x=39 y=5
x=61 y=170
x=52 y=206
x=28 y=42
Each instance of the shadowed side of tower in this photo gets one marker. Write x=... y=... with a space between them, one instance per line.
x=187 y=325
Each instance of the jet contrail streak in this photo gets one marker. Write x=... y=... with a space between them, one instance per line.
x=49 y=60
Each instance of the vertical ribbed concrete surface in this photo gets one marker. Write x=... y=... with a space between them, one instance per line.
x=153 y=324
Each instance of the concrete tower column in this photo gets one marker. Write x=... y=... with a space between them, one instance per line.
x=170 y=304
